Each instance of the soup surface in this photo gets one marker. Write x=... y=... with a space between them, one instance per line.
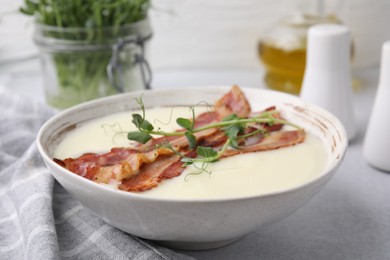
x=237 y=176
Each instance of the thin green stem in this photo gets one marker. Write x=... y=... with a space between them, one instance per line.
x=225 y=123
x=251 y=134
x=285 y=122
x=236 y=121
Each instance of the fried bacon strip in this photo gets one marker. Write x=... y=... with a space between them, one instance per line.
x=274 y=141
x=171 y=166
x=143 y=167
x=150 y=175
x=234 y=102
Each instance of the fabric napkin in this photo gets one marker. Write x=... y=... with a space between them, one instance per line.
x=38 y=218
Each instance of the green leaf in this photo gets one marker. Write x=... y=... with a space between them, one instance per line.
x=137 y=120
x=26 y=11
x=146 y=125
x=187 y=164
x=191 y=140
x=232 y=132
x=142 y=123
x=185 y=123
x=206 y=152
x=230 y=117
x=139 y=137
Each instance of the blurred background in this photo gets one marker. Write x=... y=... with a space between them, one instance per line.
x=224 y=33
x=193 y=35
x=215 y=34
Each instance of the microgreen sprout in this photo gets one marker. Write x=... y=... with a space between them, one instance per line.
x=116 y=128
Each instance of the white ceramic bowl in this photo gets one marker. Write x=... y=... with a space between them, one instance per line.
x=191 y=224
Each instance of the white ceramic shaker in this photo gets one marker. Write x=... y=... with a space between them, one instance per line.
x=327 y=79
x=376 y=148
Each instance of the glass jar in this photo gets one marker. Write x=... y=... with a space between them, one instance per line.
x=282 y=48
x=81 y=64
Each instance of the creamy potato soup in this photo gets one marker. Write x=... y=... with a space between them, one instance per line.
x=237 y=176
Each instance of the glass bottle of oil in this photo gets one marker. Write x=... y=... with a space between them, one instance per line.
x=282 y=49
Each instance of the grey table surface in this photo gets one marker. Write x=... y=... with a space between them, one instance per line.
x=348 y=219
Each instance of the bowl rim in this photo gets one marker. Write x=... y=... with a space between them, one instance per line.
x=330 y=168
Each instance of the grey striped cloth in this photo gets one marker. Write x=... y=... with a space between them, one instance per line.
x=38 y=218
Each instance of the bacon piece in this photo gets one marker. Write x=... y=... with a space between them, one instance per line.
x=274 y=141
x=165 y=167
x=274 y=127
x=266 y=126
x=150 y=175
x=118 y=164
x=86 y=165
x=206 y=119
x=129 y=166
x=214 y=140
x=233 y=102
x=258 y=142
